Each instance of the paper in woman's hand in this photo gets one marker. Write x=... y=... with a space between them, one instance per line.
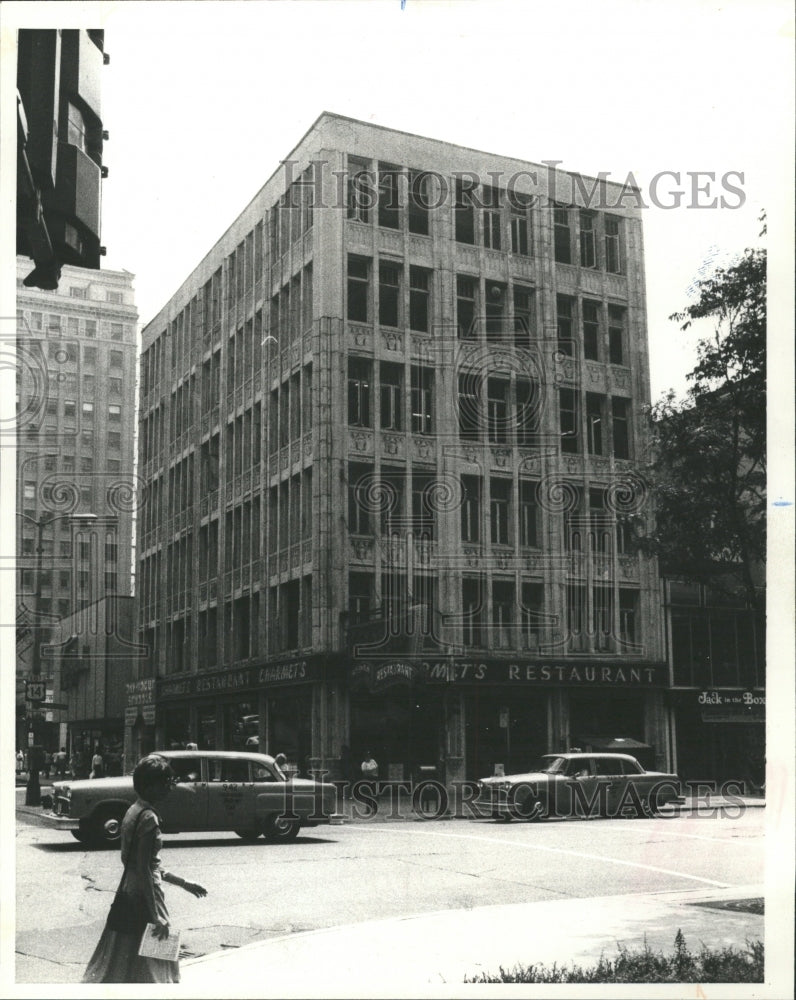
x=166 y=948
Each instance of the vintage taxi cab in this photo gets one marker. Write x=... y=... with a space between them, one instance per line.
x=571 y=784
x=214 y=790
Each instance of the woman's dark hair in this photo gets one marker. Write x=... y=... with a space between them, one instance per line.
x=151 y=770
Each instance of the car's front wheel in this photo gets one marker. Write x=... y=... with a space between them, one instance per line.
x=106 y=827
x=280 y=828
x=530 y=808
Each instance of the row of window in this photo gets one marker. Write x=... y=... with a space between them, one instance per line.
x=594 y=239
x=495 y=613
x=506 y=408
x=484 y=308
x=396 y=198
x=234 y=631
x=75 y=325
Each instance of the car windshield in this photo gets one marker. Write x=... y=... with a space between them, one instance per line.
x=547 y=765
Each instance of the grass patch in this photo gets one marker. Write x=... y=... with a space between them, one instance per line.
x=708 y=965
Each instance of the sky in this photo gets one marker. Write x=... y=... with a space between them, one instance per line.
x=202 y=101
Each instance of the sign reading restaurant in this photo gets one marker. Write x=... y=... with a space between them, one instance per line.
x=219 y=682
x=508 y=672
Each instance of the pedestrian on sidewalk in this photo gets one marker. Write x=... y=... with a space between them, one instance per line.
x=20 y=762
x=116 y=958
x=97 y=764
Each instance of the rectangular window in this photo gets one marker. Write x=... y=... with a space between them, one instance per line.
x=116 y=359
x=613 y=262
x=90 y=355
x=359 y=383
x=499 y=511
x=591 y=330
x=91 y=328
x=491 y=218
x=588 y=247
x=114 y=440
x=497 y=410
x=75 y=127
x=628 y=615
x=620 y=413
x=523 y=316
x=419 y=201
x=389 y=294
x=422 y=400
x=465 y=307
x=561 y=235
x=391 y=379
x=419 y=297
x=389 y=214
x=528 y=514
x=423 y=516
x=503 y=613
x=114 y=386
x=495 y=310
x=532 y=608
x=566 y=343
x=471 y=509
x=88 y=411
x=464 y=212
x=469 y=407
x=616 y=335
x=526 y=411
x=472 y=612
x=568 y=416
x=520 y=208
x=36 y=321
x=392 y=508
x=594 y=423
x=114 y=413
x=358 y=289
x=602 y=618
x=360 y=597
x=117 y=331
x=361 y=196
x=78 y=293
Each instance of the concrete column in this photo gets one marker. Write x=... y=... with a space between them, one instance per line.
x=455 y=748
x=656 y=730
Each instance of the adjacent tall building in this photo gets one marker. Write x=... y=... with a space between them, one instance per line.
x=76 y=375
x=389 y=434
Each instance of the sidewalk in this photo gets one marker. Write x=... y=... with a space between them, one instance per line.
x=397 y=956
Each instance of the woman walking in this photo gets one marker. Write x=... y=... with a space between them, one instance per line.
x=116 y=958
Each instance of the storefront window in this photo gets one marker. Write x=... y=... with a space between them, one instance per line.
x=176 y=727
x=241 y=726
x=207 y=728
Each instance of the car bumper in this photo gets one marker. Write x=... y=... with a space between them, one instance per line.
x=61 y=822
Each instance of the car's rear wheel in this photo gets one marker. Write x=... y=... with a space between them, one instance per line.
x=280 y=828
x=247 y=834
x=106 y=826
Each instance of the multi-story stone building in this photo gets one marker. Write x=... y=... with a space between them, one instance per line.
x=389 y=430
x=76 y=373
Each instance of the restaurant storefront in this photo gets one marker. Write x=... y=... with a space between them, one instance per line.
x=720 y=735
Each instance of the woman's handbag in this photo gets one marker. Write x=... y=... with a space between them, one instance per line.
x=127 y=914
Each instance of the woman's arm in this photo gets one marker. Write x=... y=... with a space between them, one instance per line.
x=144 y=846
x=193 y=887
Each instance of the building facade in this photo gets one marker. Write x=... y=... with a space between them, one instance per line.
x=76 y=492
x=389 y=433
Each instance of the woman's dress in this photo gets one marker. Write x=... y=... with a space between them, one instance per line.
x=116 y=958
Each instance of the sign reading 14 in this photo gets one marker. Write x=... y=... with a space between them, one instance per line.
x=35 y=690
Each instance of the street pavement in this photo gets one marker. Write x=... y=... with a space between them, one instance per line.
x=399 y=956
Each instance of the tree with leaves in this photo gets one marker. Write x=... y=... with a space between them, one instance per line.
x=709 y=465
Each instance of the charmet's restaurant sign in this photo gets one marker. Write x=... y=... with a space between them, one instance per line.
x=505 y=672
